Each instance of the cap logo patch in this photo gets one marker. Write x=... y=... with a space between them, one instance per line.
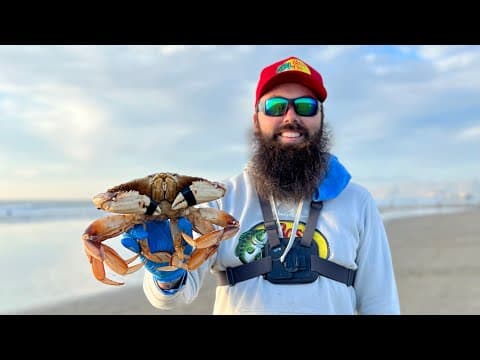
x=293 y=65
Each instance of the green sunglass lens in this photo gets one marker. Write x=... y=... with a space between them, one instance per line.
x=276 y=106
x=306 y=106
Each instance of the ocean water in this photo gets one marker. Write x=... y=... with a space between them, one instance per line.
x=42 y=260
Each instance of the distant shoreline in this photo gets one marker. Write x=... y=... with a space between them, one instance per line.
x=386 y=208
x=12 y=212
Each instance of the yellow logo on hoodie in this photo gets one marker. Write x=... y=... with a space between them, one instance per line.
x=251 y=242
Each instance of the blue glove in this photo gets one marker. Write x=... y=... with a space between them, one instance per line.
x=159 y=238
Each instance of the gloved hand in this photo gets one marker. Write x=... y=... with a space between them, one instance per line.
x=159 y=238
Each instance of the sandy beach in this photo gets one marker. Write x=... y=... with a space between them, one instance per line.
x=436 y=265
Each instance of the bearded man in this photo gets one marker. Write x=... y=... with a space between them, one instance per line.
x=310 y=241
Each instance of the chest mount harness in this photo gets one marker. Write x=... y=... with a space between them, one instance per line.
x=302 y=264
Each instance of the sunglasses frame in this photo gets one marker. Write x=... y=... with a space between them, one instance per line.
x=262 y=105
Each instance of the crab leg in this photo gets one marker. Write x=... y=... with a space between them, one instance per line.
x=110 y=226
x=203 y=219
x=114 y=262
x=196 y=259
x=159 y=257
x=98 y=253
x=99 y=272
x=177 y=238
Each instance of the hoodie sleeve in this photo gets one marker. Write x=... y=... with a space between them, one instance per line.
x=375 y=284
x=165 y=299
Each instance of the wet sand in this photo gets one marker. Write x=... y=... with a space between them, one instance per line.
x=436 y=266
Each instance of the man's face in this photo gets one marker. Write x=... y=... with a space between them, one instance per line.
x=290 y=152
x=290 y=128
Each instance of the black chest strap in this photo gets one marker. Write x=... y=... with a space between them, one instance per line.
x=315 y=208
x=326 y=268
x=270 y=223
x=332 y=270
x=243 y=272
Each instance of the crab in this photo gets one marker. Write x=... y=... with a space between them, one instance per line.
x=159 y=196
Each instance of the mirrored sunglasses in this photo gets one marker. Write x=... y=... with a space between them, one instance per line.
x=278 y=106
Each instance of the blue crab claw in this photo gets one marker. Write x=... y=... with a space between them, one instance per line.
x=199 y=191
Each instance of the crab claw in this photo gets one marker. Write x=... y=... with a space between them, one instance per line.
x=126 y=202
x=198 y=192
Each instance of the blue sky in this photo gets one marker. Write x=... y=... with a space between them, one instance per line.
x=75 y=120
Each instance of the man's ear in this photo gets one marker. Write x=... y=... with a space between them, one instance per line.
x=255 y=121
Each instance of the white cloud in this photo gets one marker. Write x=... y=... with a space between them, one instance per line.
x=246 y=49
x=469 y=134
x=331 y=52
x=230 y=53
x=456 y=61
x=449 y=58
x=172 y=49
x=26 y=173
x=370 y=58
x=8 y=107
x=366 y=127
x=80 y=55
x=154 y=99
x=382 y=70
x=68 y=119
x=207 y=47
x=436 y=52
x=405 y=49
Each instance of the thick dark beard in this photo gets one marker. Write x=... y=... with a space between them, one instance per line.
x=289 y=172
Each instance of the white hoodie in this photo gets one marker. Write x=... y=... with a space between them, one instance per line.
x=349 y=232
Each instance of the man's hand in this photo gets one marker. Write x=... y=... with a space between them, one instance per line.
x=159 y=238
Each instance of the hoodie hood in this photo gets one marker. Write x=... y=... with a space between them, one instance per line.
x=335 y=181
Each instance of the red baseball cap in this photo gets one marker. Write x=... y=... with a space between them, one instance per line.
x=291 y=69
